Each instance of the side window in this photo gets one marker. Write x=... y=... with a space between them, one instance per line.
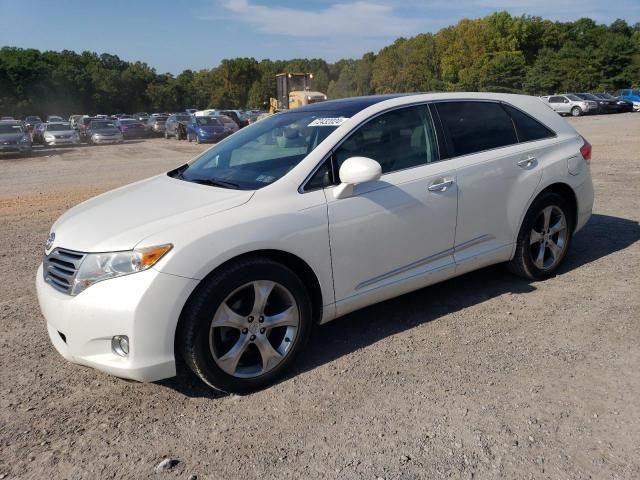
x=399 y=139
x=476 y=126
x=527 y=128
x=556 y=100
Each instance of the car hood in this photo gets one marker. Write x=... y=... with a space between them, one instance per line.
x=11 y=137
x=122 y=218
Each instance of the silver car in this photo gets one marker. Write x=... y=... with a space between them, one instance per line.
x=13 y=137
x=157 y=125
x=570 y=104
x=59 y=134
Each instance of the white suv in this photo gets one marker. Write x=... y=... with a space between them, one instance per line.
x=229 y=260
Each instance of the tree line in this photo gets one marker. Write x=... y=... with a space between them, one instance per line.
x=500 y=53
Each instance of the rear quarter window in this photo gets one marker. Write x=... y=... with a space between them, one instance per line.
x=528 y=128
x=476 y=126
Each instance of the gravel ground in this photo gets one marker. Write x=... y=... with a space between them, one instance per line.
x=483 y=376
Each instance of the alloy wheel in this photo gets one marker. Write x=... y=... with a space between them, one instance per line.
x=254 y=328
x=548 y=238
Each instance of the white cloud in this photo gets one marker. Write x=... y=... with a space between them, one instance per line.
x=347 y=20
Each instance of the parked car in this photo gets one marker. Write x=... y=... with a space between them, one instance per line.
x=31 y=122
x=570 y=104
x=6 y=118
x=203 y=130
x=235 y=116
x=616 y=105
x=55 y=119
x=229 y=125
x=73 y=120
x=156 y=125
x=59 y=133
x=131 y=128
x=83 y=127
x=632 y=95
x=229 y=260
x=604 y=106
x=14 y=138
x=103 y=131
x=172 y=122
x=37 y=132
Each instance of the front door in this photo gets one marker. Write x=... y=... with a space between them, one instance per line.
x=393 y=235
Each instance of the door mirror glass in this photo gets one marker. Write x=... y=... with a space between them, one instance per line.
x=356 y=170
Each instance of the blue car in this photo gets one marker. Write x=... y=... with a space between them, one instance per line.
x=204 y=129
x=632 y=95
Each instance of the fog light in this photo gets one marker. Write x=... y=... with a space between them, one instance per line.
x=120 y=345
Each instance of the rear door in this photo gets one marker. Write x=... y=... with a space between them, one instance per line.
x=497 y=173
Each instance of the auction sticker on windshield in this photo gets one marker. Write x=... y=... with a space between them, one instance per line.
x=328 y=122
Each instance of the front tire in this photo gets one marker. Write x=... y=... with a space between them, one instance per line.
x=576 y=111
x=544 y=238
x=245 y=325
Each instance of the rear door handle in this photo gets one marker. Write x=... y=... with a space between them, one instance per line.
x=440 y=186
x=528 y=162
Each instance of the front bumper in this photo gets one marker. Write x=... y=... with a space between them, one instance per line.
x=15 y=148
x=62 y=141
x=213 y=137
x=106 y=140
x=145 y=306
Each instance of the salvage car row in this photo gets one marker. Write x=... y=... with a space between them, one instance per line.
x=577 y=104
x=18 y=136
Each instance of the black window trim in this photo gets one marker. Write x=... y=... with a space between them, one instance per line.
x=445 y=146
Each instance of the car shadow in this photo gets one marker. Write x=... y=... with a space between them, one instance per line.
x=602 y=236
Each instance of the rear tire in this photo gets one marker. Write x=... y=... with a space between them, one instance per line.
x=544 y=238
x=222 y=336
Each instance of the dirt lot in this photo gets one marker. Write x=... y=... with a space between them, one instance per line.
x=484 y=376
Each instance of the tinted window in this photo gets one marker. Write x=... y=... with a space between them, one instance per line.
x=476 y=126
x=527 y=128
x=321 y=179
x=556 y=99
x=399 y=139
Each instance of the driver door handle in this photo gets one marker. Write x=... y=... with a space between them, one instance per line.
x=441 y=185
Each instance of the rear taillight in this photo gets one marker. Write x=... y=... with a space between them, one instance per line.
x=585 y=150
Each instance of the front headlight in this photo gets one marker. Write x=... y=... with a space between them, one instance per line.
x=97 y=267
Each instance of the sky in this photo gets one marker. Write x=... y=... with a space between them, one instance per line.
x=175 y=35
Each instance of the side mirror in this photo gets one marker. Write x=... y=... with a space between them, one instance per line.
x=356 y=170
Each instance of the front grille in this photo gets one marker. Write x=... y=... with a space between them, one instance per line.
x=60 y=268
x=62 y=136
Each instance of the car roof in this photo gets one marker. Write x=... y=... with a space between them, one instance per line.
x=349 y=106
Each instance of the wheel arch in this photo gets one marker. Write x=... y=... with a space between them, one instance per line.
x=560 y=188
x=293 y=262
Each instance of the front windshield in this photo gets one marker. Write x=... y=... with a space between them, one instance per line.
x=10 y=128
x=607 y=96
x=207 y=121
x=58 y=127
x=55 y=119
x=574 y=98
x=262 y=153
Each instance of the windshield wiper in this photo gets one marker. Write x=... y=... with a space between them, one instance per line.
x=213 y=182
